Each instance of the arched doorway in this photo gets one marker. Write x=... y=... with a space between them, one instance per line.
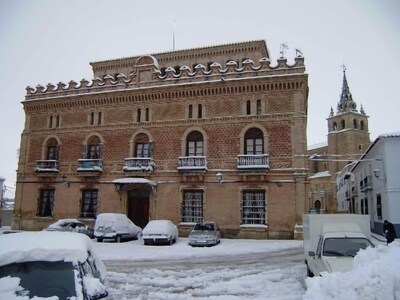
x=138 y=206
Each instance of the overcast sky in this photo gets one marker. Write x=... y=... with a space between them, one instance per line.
x=46 y=41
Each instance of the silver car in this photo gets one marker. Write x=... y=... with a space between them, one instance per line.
x=205 y=234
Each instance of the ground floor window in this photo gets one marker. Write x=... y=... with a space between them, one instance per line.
x=253 y=207
x=45 y=203
x=192 y=206
x=379 y=206
x=89 y=203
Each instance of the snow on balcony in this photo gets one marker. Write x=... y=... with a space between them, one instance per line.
x=90 y=165
x=192 y=163
x=50 y=166
x=253 y=162
x=138 y=164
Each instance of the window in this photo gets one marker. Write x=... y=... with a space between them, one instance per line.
x=147 y=114
x=52 y=150
x=89 y=203
x=190 y=112
x=92 y=118
x=254 y=142
x=253 y=208
x=200 y=111
x=379 y=206
x=138 y=115
x=192 y=206
x=195 y=144
x=99 y=118
x=248 y=107
x=57 y=121
x=51 y=122
x=258 y=107
x=142 y=146
x=46 y=202
x=94 y=151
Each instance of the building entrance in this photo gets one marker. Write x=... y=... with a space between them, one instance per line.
x=138 y=206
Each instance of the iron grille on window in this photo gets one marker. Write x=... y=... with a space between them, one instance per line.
x=192 y=206
x=253 y=208
x=89 y=203
x=46 y=202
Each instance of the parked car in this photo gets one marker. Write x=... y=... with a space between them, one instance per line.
x=160 y=232
x=46 y=264
x=116 y=227
x=205 y=234
x=72 y=225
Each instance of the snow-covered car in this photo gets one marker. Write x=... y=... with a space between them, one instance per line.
x=205 y=234
x=47 y=264
x=116 y=227
x=72 y=225
x=160 y=232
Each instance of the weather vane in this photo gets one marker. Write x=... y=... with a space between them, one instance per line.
x=284 y=47
x=343 y=67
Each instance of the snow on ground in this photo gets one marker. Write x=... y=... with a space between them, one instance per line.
x=135 y=250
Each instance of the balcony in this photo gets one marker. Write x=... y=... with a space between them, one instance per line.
x=192 y=164
x=139 y=164
x=90 y=165
x=46 y=166
x=257 y=162
x=366 y=184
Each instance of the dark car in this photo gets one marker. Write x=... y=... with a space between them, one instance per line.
x=205 y=234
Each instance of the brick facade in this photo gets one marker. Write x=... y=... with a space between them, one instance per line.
x=227 y=100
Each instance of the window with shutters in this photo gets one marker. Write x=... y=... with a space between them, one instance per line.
x=45 y=203
x=89 y=203
x=253 y=207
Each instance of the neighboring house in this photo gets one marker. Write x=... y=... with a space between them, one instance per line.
x=371 y=186
x=348 y=137
x=215 y=133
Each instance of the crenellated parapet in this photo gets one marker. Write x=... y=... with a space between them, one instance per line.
x=147 y=73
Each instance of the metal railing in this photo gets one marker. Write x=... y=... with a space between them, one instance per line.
x=49 y=165
x=192 y=163
x=90 y=165
x=138 y=164
x=253 y=162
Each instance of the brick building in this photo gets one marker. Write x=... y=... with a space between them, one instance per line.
x=215 y=133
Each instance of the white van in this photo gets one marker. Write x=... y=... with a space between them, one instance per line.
x=116 y=227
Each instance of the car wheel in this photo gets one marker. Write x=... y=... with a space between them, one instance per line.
x=99 y=240
x=171 y=240
x=145 y=243
x=118 y=239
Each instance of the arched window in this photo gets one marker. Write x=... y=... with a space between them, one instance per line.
x=355 y=123
x=248 y=107
x=200 y=111
x=138 y=115
x=52 y=149
x=258 y=107
x=362 y=126
x=51 y=122
x=94 y=149
x=147 y=114
x=195 y=144
x=58 y=121
x=142 y=146
x=190 y=112
x=99 y=118
x=254 y=142
x=334 y=126
x=92 y=118
x=343 y=124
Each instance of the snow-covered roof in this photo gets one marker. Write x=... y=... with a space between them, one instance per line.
x=320 y=174
x=318 y=145
x=133 y=180
x=44 y=246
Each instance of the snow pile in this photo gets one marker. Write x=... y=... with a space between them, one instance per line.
x=375 y=275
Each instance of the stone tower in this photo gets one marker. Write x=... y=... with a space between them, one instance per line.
x=348 y=134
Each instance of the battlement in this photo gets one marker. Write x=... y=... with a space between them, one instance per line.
x=147 y=73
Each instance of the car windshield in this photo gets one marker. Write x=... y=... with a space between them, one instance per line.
x=43 y=278
x=207 y=227
x=344 y=246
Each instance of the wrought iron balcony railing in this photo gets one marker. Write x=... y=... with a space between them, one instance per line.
x=257 y=162
x=138 y=164
x=90 y=165
x=49 y=166
x=192 y=163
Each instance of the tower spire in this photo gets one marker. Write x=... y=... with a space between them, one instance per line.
x=346 y=102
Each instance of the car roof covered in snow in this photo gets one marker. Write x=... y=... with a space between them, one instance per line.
x=44 y=246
